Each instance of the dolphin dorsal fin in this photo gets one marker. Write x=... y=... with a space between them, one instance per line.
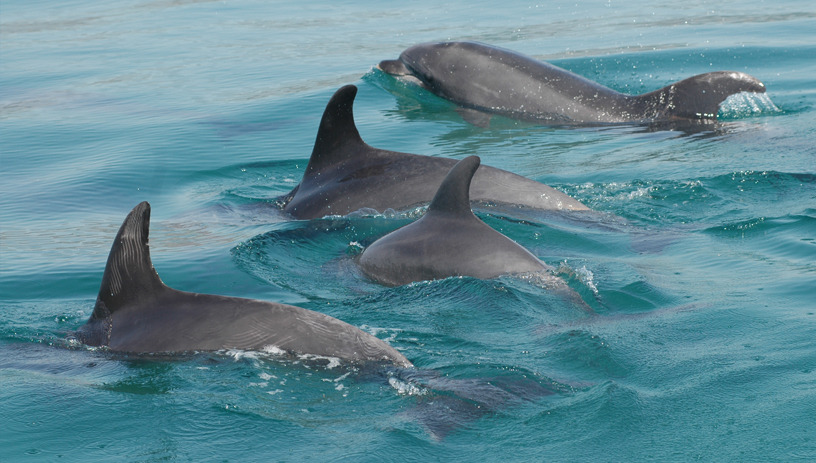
x=699 y=97
x=453 y=195
x=336 y=132
x=129 y=275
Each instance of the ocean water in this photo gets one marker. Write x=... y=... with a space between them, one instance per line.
x=696 y=340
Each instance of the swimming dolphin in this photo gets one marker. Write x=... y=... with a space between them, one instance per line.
x=496 y=80
x=447 y=241
x=136 y=312
x=345 y=174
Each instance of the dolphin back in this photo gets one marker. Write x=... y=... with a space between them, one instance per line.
x=136 y=312
x=697 y=97
x=449 y=240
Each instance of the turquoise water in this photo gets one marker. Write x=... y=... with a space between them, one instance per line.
x=696 y=341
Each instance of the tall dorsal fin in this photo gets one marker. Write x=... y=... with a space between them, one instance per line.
x=129 y=275
x=453 y=195
x=337 y=131
x=699 y=97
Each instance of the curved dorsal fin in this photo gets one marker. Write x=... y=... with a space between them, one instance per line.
x=453 y=195
x=336 y=132
x=129 y=275
x=699 y=97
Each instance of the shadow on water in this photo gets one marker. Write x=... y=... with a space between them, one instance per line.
x=445 y=404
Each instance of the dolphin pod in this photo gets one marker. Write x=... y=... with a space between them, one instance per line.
x=495 y=80
x=345 y=174
x=449 y=240
x=136 y=312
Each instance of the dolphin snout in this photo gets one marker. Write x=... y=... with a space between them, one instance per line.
x=394 y=67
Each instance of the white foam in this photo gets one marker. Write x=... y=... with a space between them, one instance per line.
x=238 y=354
x=273 y=350
x=333 y=361
x=747 y=104
x=375 y=331
x=404 y=388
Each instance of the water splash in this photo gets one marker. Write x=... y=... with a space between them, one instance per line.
x=582 y=274
x=747 y=104
x=405 y=388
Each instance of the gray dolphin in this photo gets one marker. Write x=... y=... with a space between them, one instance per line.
x=496 y=80
x=447 y=241
x=136 y=312
x=345 y=174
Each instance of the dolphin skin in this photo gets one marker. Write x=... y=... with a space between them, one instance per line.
x=135 y=312
x=449 y=240
x=345 y=174
x=495 y=80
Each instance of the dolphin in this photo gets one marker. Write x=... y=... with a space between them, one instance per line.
x=490 y=79
x=136 y=312
x=449 y=240
x=345 y=174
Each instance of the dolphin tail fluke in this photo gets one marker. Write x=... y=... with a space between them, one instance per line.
x=129 y=275
x=698 y=97
x=453 y=195
x=337 y=131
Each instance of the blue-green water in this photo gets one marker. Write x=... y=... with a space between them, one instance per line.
x=700 y=271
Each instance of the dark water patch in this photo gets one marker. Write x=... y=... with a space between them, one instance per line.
x=688 y=201
x=582 y=354
x=289 y=255
x=144 y=378
x=637 y=296
x=453 y=402
x=247 y=183
x=799 y=225
x=788 y=239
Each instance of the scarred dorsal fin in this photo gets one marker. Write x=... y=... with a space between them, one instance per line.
x=453 y=195
x=698 y=97
x=129 y=275
x=337 y=131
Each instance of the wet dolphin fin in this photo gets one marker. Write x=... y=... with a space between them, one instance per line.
x=697 y=97
x=337 y=137
x=129 y=276
x=453 y=195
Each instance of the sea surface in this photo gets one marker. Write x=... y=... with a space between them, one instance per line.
x=696 y=338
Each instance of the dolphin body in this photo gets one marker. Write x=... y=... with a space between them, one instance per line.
x=135 y=312
x=496 y=80
x=345 y=174
x=449 y=240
